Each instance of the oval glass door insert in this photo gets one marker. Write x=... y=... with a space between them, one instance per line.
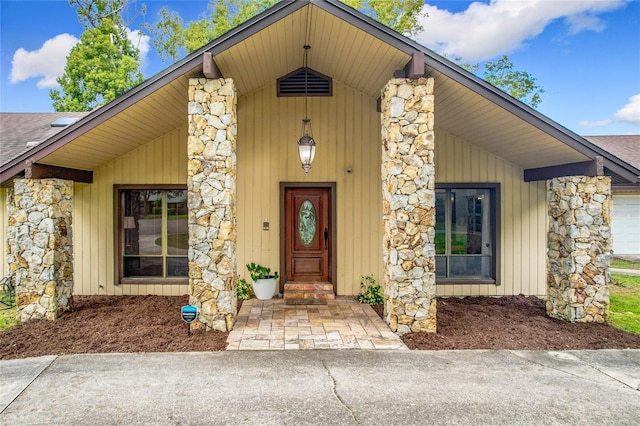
x=307 y=223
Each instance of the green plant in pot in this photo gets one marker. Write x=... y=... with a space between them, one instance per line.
x=264 y=282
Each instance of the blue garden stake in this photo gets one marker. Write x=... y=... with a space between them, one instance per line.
x=189 y=313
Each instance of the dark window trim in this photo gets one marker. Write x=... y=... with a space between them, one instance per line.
x=496 y=224
x=117 y=227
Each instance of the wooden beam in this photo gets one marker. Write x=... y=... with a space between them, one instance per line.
x=413 y=69
x=209 y=67
x=43 y=171
x=584 y=168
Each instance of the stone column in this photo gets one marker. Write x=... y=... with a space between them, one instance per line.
x=212 y=202
x=579 y=248
x=408 y=187
x=40 y=246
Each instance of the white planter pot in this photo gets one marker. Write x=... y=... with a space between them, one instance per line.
x=264 y=289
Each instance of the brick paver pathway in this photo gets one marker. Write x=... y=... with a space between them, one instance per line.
x=342 y=324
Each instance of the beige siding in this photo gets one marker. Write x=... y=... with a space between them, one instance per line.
x=163 y=160
x=347 y=130
x=523 y=216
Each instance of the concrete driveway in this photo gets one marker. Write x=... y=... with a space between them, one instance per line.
x=347 y=387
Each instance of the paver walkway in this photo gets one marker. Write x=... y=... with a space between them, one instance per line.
x=341 y=324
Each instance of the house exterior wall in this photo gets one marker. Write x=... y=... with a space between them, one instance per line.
x=347 y=129
x=626 y=223
x=163 y=160
x=523 y=216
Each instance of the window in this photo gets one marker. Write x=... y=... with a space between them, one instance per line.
x=152 y=237
x=467 y=233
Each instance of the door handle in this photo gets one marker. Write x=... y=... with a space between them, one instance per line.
x=326 y=237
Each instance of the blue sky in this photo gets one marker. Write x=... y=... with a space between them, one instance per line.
x=585 y=54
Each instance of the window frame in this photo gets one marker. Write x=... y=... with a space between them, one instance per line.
x=494 y=210
x=118 y=236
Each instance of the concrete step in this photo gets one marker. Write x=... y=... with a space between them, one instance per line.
x=308 y=293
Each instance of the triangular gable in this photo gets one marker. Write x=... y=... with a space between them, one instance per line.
x=535 y=127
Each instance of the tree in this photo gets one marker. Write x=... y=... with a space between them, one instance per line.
x=400 y=15
x=170 y=38
x=519 y=84
x=167 y=35
x=103 y=65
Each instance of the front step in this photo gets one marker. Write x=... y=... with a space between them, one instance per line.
x=308 y=293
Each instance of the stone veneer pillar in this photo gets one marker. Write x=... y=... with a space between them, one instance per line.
x=212 y=202
x=408 y=187
x=40 y=246
x=579 y=248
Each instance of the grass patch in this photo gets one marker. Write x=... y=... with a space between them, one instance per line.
x=625 y=303
x=8 y=318
x=624 y=264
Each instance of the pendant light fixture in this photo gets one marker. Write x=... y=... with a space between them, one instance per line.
x=306 y=144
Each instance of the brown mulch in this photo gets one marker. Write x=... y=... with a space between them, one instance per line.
x=100 y=324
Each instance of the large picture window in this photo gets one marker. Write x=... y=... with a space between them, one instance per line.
x=153 y=234
x=467 y=233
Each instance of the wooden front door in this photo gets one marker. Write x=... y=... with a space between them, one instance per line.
x=307 y=234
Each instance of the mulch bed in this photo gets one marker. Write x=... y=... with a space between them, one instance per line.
x=102 y=324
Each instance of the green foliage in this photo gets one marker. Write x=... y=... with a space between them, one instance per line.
x=259 y=272
x=8 y=318
x=625 y=303
x=8 y=308
x=624 y=264
x=519 y=84
x=167 y=35
x=371 y=292
x=401 y=15
x=171 y=38
x=102 y=66
x=243 y=289
x=92 y=12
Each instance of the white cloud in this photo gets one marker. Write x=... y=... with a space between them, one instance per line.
x=46 y=63
x=630 y=113
x=485 y=31
x=599 y=123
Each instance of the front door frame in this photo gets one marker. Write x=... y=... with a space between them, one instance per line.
x=332 y=220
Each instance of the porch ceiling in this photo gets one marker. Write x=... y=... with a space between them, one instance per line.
x=346 y=51
x=480 y=121
x=338 y=49
x=158 y=113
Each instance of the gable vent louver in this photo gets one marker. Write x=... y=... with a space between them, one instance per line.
x=293 y=84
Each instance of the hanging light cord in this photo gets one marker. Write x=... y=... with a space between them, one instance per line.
x=306 y=91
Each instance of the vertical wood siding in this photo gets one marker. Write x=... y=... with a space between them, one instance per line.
x=347 y=130
x=523 y=216
x=163 y=160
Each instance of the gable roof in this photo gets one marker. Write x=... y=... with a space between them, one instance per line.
x=346 y=45
x=625 y=147
x=22 y=131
